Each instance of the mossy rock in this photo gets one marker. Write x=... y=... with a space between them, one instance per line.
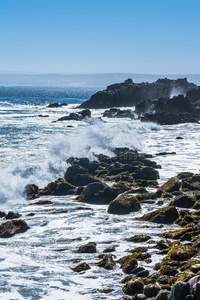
x=81 y=267
x=89 y=192
x=124 y=204
x=31 y=191
x=12 y=215
x=122 y=186
x=181 y=252
x=128 y=263
x=163 y=215
x=168 y=270
x=178 y=234
x=133 y=287
x=173 y=184
x=58 y=188
x=87 y=248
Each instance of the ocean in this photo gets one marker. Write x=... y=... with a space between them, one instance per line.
x=34 y=147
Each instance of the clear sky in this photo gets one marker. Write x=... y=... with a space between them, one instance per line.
x=100 y=36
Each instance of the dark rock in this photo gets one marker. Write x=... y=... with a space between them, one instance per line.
x=12 y=215
x=151 y=290
x=181 y=252
x=128 y=264
x=42 y=202
x=89 y=192
x=81 y=267
x=129 y=93
x=163 y=295
x=117 y=113
x=194 y=94
x=179 y=291
x=148 y=173
x=107 y=262
x=163 y=215
x=172 y=185
x=177 y=104
x=139 y=238
x=106 y=195
x=31 y=191
x=58 y=188
x=124 y=204
x=133 y=287
x=76 y=116
x=2 y=214
x=88 y=248
x=56 y=105
x=78 y=176
x=183 y=201
x=10 y=228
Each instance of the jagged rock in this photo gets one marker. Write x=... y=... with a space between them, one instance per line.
x=10 y=228
x=129 y=93
x=124 y=204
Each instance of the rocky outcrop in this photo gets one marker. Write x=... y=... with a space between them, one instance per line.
x=10 y=228
x=76 y=116
x=129 y=93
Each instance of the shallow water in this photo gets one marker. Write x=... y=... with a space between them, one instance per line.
x=34 y=150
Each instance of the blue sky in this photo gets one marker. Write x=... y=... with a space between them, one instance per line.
x=100 y=36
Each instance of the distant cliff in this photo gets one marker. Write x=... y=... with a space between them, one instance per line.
x=129 y=93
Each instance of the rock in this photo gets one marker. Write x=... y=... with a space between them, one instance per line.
x=117 y=113
x=194 y=94
x=12 y=215
x=10 y=228
x=107 y=262
x=133 y=287
x=128 y=264
x=163 y=295
x=58 y=188
x=179 y=291
x=124 y=204
x=88 y=248
x=148 y=173
x=78 y=176
x=183 y=201
x=81 y=267
x=163 y=215
x=31 y=191
x=151 y=290
x=172 y=185
x=162 y=118
x=129 y=93
x=139 y=238
x=76 y=116
x=143 y=107
x=56 y=105
x=181 y=252
x=2 y=214
x=194 y=285
x=177 y=104
x=106 y=195
x=89 y=192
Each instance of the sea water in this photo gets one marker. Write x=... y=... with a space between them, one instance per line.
x=34 y=149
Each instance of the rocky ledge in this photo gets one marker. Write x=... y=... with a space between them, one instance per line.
x=129 y=93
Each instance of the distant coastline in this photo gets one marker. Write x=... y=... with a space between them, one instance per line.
x=85 y=80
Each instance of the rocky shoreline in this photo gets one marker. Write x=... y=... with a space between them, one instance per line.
x=122 y=183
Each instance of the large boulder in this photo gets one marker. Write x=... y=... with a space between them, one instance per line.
x=58 y=188
x=148 y=173
x=124 y=204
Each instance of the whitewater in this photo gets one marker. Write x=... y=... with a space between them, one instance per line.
x=34 y=149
